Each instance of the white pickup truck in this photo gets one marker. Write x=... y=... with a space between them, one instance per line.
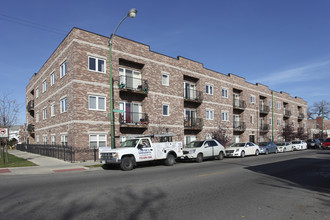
x=137 y=150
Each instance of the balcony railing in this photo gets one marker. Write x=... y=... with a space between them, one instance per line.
x=264 y=128
x=239 y=126
x=30 y=106
x=134 y=119
x=264 y=109
x=286 y=113
x=30 y=128
x=194 y=123
x=239 y=104
x=133 y=84
x=193 y=95
x=301 y=116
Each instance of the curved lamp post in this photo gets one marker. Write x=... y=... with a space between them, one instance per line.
x=132 y=13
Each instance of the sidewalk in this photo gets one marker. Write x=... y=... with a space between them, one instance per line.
x=45 y=165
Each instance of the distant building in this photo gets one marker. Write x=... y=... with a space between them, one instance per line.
x=68 y=99
x=316 y=126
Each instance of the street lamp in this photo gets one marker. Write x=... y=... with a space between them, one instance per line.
x=132 y=13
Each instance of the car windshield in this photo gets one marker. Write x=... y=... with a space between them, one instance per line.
x=295 y=142
x=194 y=144
x=238 y=145
x=262 y=143
x=130 y=143
x=281 y=144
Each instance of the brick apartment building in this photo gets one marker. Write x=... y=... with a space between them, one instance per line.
x=68 y=99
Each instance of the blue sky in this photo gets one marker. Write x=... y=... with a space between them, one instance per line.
x=283 y=44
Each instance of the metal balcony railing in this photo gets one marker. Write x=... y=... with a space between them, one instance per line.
x=30 y=106
x=286 y=113
x=264 y=128
x=30 y=128
x=239 y=104
x=301 y=116
x=264 y=109
x=194 y=123
x=134 y=118
x=133 y=84
x=239 y=126
x=194 y=95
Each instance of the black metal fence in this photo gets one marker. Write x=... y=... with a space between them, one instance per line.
x=65 y=153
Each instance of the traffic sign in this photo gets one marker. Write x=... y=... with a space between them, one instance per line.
x=3 y=132
x=118 y=111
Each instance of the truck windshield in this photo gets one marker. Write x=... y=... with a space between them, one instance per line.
x=130 y=143
x=195 y=144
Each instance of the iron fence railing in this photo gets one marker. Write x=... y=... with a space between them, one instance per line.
x=131 y=83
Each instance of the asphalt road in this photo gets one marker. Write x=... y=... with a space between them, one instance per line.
x=283 y=186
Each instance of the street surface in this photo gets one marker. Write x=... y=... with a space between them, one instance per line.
x=278 y=186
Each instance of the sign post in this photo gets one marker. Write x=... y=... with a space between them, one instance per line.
x=4 y=134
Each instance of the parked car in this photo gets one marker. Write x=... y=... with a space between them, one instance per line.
x=284 y=146
x=267 y=147
x=242 y=149
x=314 y=143
x=299 y=145
x=326 y=144
x=200 y=150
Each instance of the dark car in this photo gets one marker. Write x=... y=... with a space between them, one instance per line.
x=326 y=144
x=314 y=143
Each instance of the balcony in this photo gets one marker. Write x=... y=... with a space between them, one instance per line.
x=134 y=119
x=264 y=109
x=286 y=114
x=191 y=95
x=193 y=124
x=301 y=130
x=264 y=128
x=30 y=106
x=239 y=126
x=239 y=104
x=301 y=116
x=133 y=85
x=30 y=128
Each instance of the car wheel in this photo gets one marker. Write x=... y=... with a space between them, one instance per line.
x=170 y=160
x=199 y=158
x=126 y=164
x=284 y=149
x=257 y=152
x=242 y=154
x=220 y=156
x=276 y=151
x=266 y=152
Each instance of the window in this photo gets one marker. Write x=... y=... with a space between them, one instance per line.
x=165 y=79
x=252 y=99
x=52 y=79
x=292 y=123
x=63 y=69
x=44 y=86
x=96 y=64
x=225 y=116
x=209 y=114
x=63 y=105
x=252 y=119
x=44 y=139
x=224 y=93
x=97 y=140
x=166 y=110
x=279 y=122
x=44 y=114
x=270 y=120
x=304 y=111
x=53 y=140
x=64 y=140
x=37 y=139
x=37 y=92
x=52 y=110
x=278 y=105
x=292 y=109
x=37 y=117
x=209 y=89
x=271 y=104
x=97 y=103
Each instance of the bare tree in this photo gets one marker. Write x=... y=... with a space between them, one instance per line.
x=221 y=135
x=288 y=133
x=321 y=108
x=9 y=109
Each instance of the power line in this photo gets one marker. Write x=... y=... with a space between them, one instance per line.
x=31 y=24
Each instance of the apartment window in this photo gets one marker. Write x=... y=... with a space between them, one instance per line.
x=304 y=111
x=270 y=121
x=271 y=104
x=292 y=109
x=278 y=105
x=63 y=69
x=44 y=140
x=209 y=114
x=37 y=139
x=252 y=99
x=97 y=140
x=279 y=122
x=224 y=93
x=304 y=124
x=292 y=123
x=37 y=117
x=44 y=114
x=166 y=110
x=53 y=139
x=209 y=89
x=225 y=116
x=52 y=110
x=37 y=92
x=96 y=64
x=97 y=103
x=52 y=79
x=252 y=119
x=64 y=140
x=44 y=86
x=63 y=105
x=165 y=79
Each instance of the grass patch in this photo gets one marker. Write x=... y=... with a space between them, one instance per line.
x=14 y=161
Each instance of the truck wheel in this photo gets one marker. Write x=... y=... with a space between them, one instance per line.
x=199 y=158
x=126 y=164
x=170 y=160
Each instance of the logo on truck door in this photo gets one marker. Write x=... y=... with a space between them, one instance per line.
x=144 y=150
